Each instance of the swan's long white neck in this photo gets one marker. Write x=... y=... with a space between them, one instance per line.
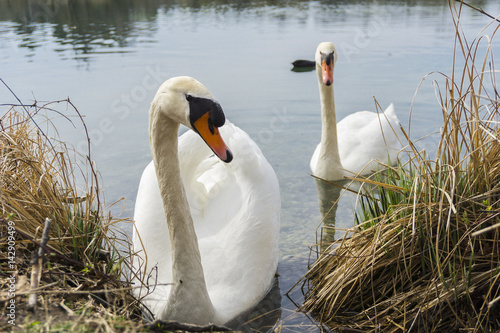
x=329 y=156
x=189 y=297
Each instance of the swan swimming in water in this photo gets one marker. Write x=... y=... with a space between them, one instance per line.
x=206 y=232
x=348 y=147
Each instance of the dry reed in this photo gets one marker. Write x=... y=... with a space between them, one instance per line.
x=424 y=254
x=83 y=268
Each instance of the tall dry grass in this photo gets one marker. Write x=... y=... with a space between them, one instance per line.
x=424 y=255
x=42 y=178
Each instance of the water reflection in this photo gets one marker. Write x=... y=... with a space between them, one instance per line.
x=80 y=26
x=302 y=65
x=264 y=316
x=85 y=27
x=328 y=196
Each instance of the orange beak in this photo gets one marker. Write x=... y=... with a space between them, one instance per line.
x=212 y=138
x=327 y=71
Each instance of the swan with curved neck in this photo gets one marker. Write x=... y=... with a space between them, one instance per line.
x=353 y=145
x=205 y=232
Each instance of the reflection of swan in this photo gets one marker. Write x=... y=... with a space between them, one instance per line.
x=328 y=196
x=218 y=256
x=347 y=147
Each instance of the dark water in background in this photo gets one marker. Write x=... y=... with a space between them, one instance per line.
x=110 y=56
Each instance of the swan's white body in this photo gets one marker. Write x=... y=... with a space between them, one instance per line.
x=355 y=144
x=235 y=211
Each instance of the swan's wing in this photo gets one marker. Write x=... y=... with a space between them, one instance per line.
x=365 y=136
x=237 y=223
x=390 y=113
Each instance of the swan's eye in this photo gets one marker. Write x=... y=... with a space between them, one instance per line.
x=329 y=59
x=199 y=107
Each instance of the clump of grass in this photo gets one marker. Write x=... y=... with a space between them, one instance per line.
x=424 y=254
x=38 y=182
x=83 y=270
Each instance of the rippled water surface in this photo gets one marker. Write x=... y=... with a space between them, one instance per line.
x=109 y=57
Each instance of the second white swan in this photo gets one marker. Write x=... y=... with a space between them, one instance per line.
x=354 y=144
x=206 y=232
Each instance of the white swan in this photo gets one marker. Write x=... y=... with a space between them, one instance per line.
x=219 y=254
x=351 y=146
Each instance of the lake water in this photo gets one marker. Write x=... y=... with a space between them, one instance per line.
x=109 y=57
